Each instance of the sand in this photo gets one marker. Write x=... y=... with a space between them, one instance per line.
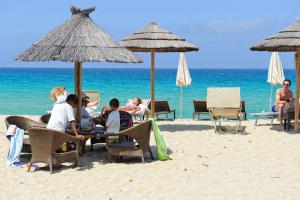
x=261 y=164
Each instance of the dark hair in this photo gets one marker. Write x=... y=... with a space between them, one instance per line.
x=139 y=100
x=288 y=80
x=114 y=103
x=72 y=98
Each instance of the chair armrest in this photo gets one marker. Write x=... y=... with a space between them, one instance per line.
x=106 y=134
x=40 y=125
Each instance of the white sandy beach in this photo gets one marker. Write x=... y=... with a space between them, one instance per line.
x=262 y=164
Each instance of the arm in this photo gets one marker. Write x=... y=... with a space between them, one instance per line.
x=278 y=101
x=92 y=104
x=73 y=126
x=136 y=110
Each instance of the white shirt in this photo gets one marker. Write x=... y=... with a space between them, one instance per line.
x=61 y=115
x=113 y=122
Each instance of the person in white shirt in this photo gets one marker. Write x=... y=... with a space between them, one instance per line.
x=113 y=120
x=62 y=115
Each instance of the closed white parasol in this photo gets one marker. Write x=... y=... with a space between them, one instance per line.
x=183 y=78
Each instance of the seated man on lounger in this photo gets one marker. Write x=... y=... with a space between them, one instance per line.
x=283 y=97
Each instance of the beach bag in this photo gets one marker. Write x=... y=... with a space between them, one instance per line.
x=161 y=147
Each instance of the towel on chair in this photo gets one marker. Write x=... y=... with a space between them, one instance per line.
x=15 y=135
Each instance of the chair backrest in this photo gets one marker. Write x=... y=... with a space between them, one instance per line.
x=45 y=118
x=21 y=122
x=44 y=142
x=93 y=95
x=226 y=97
x=243 y=106
x=141 y=133
x=160 y=106
x=126 y=120
x=200 y=106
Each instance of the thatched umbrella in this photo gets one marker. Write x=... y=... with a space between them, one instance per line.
x=154 y=38
x=78 y=40
x=286 y=40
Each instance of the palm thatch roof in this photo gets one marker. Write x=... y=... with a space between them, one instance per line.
x=155 y=37
x=286 y=40
x=78 y=39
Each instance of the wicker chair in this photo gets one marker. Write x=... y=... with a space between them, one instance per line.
x=45 y=118
x=162 y=107
x=199 y=108
x=23 y=123
x=140 y=133
x=44 y=144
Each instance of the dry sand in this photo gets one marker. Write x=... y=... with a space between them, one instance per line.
x=262 y=164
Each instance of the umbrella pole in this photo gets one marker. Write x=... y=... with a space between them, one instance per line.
x=180 y=102
x=78 y=87
x=152 y=82
x=297 y=90
x=271 y=96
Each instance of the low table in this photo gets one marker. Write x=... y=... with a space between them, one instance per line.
x=88 y=134
x=270 y=115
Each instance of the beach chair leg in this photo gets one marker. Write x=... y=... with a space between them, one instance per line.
x=51 y=167
x=284 y=124
x=30 y=164
x=151 y=154
x=174 y=115
x=272 y=120
x=256 y=121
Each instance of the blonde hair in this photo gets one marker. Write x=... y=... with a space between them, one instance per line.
x=57 y=91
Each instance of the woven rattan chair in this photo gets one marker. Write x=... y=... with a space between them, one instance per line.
x=45 y=143
x=162 y=108
x=23 y=123
x=199 y=108
x=140 y=134
x=45 y=118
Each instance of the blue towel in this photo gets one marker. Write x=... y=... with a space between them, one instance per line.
x=15 y=135
x=274 y=108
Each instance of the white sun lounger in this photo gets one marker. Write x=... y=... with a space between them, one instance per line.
x=224 y=103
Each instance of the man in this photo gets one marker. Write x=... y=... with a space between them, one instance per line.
x=62 y=115
x=283 y=96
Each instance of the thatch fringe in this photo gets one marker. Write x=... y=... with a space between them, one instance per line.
x=78 y=39
x=155 y=37
x=286 y=40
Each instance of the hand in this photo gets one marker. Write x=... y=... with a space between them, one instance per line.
x=80 y=137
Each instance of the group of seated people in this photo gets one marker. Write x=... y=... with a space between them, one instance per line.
x=62 y=114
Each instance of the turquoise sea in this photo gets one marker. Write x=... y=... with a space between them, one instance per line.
x=26 y=90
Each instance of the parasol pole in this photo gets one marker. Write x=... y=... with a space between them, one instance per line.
x=152 y=83
x=297 y=90
x=78 y=88
x=271 y=96
x=180 y=102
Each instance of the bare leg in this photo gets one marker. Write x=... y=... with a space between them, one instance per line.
x=279 y=108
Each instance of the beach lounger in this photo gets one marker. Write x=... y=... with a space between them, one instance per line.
x=45 y=143
x=23 y=123
x=139 y=133
x=143 y=113
x=224 y=103
x=199 y=109
x=162 y=108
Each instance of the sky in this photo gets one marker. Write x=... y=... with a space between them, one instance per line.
x=223 y=30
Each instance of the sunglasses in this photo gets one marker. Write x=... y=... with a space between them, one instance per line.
x=286 y=84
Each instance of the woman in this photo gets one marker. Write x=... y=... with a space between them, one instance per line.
x=283 y=97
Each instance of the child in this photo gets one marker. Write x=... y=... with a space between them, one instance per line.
x=113 y=120
x=62 y=115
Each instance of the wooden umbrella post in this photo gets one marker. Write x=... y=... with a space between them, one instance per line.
x=152 y=82
x=78 y=88
x=297 y=90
